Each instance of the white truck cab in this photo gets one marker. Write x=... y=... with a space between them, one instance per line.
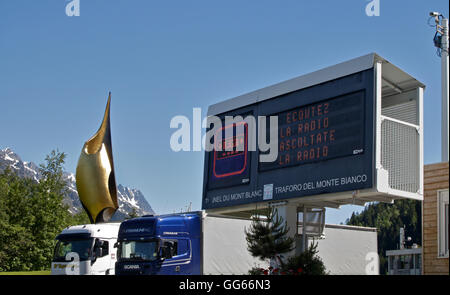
x=86 y=250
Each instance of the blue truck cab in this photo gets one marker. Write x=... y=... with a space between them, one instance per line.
x=193 y=243
x=165 y=245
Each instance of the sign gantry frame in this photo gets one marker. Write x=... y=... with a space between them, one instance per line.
x=389 y=152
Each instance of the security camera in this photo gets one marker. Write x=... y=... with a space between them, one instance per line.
x=434 y=13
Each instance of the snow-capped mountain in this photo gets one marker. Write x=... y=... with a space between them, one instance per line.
x=23 y=169
x=128 y=198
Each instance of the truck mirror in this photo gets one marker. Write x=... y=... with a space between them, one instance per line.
x=93 y=251
x=99 y=251
x=164 y=253
x=168 y=252
x=161 y=253
x=116 y=244
x=169 y=245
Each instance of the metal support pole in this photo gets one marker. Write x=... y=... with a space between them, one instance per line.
x=445 y=91
x=289 y=214
x=304 y=236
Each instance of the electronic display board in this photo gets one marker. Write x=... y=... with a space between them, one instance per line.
x=320 y=131
x=230 y=160
x=325 y=145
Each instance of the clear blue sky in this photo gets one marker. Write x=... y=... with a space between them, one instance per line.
x=162 y=58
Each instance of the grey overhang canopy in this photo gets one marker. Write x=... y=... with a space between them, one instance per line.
x=395 y=81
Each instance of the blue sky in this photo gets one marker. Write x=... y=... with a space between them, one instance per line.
x=163 y=58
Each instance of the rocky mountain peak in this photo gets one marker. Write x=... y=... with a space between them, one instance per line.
x=129 y=198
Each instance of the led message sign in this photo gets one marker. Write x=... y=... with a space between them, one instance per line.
x=325 y=145
x=321 y=131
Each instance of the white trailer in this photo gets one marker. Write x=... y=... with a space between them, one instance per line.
x=225 y=247
x=348 y=250
x=86 y=250
x=345 y=250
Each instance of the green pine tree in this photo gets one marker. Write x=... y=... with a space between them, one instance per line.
x=132 y=214
x=81 y=218
x=267 y=238
x=32 y=214
x=307 y=263
x=388 y=219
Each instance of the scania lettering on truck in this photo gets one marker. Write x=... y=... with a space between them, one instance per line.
x=86 y=250
x=186 y=244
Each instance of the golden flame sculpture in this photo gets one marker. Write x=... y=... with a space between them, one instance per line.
x=95 y=178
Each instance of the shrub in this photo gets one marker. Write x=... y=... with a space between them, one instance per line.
x=307 y=263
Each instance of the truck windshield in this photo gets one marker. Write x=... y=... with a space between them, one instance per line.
x=82 y=247
x=138 y=250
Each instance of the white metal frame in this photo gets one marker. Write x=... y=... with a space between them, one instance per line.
x=381 y=174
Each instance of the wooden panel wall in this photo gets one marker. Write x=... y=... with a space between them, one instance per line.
x=435 y=178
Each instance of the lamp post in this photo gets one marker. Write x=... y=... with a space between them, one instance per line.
x=441 y=42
